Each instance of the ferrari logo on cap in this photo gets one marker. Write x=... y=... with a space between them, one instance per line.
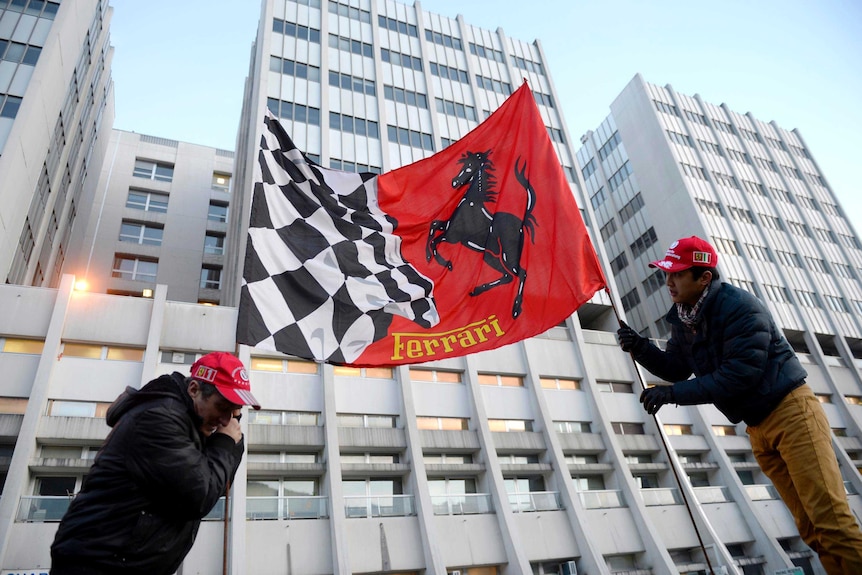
x=205 y=373
x=701 y=257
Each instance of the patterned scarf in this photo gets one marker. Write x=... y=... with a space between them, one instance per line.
x=689 y=314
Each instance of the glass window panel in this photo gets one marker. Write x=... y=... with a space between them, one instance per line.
x=449 y=377
x=347 y=371
x=299 y=487
x=30 y=346
x=487 y=379
x=72 y=408
x=13 y=405
x=125 y=354
x=89 y=351
x=257 y=488
x=300 y=366
x=266 y=364
x=453 y=423
x=511 y=381
x=379 y=372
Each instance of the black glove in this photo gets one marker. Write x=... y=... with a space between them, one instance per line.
x=654 y=397
x=630 y=341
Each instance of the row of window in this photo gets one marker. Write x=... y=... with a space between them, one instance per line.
x=699 y=118
x=19 y=53
x=297 y=69
x=296 y=30
x=350 y=12
x=38 y=8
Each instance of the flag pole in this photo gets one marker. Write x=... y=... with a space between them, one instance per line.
x=664 y=443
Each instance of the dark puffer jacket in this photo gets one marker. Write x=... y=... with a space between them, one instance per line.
x=741 y=361
x=152 y=481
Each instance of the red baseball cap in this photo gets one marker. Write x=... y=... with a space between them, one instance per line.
x=228 y=374
x=686 y=253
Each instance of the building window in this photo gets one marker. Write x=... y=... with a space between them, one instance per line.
x=443 y=40
x=214 y=244
x=297 y=31
x=620 y=176
x=9 y=106
x=573 y=427
x=294 y=69
x=442 y=423
x=270 y=417
x=677 y=429
x=221 y=182
x=654 y=282
x=642 y=244
x=295 y=112
x=608 y=229
x=631 y=208
x=412 y=138
x=498 y=380
x=418 y=374
x=351 y=125
x=614 y=387
x=366 y=420
x=619 y=263
x=98 y=351
x=147 y=201
x=631 y=299
x=135 y=268
x=210 y=277
x=142 y=234
x=559 y=383
x=447 y=458
x=492 y=85
x=390 y=24
x=283 y=365
x=724 y=430
x=627 y=428
x=153 y=171
x=217 y=212
x=13 y=405
x=507 y=425
x=366 y=372
x=58 y=408
x=24 y=346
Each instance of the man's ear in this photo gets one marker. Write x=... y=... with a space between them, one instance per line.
x=194 y=388
x=705 y=278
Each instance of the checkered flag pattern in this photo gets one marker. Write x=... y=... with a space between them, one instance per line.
x=323 y=269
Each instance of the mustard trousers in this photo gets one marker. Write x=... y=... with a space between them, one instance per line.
x=793 y=447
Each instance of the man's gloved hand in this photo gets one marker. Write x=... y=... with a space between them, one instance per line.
x=630 y=341
x=654 y=397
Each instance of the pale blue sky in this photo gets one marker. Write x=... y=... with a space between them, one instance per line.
x=179 y=66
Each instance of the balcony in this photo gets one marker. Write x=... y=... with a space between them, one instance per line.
x=535 y=501
x=42 y=508
x=601 y=499
x=712 y=494
x=761 y=492
x=293 y=507
x=464 y=504
x=660 y=496
x=378 y=506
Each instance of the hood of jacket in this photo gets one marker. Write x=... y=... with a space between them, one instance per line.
x=173 y=385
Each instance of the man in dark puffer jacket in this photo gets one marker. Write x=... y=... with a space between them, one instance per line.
x=174 y=446
x=746 y=368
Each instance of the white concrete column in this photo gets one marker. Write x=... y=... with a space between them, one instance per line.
x=332 y=481
x=18 y=476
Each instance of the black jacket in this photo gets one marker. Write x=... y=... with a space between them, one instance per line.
x=153 y=480
x=741 y=361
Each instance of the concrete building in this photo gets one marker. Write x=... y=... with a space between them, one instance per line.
x=159 y=216
x=534 y=458
x=56 y=111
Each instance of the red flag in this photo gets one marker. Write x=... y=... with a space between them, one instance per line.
x=509 y=226
x=478 y=246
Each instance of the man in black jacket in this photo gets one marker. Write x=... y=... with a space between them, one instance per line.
x=174 y=446
x=745 y=367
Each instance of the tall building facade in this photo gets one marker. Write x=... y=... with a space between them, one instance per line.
x=56 y=111
x=159 y=216
x=534 y=458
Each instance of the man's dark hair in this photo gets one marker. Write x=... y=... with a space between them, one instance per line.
x=697 y=271
x=207 y=389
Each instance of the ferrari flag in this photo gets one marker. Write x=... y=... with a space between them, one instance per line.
x=478 y=246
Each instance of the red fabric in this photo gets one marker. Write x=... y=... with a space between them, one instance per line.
x=562 y=268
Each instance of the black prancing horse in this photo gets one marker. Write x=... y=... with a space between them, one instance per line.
x=500 y=235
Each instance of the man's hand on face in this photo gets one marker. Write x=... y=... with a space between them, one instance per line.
x=232 y=428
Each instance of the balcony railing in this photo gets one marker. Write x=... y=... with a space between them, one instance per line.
x=293 y=507
x=378 y=506
x=657 y=496
x=601 y=499
x=464 y=504
x=535 y=501
x=42 y=508
x=761 y=492
x=712 y=494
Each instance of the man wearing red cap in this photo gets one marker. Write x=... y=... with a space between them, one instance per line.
x=743 y=365
x=175 y=445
